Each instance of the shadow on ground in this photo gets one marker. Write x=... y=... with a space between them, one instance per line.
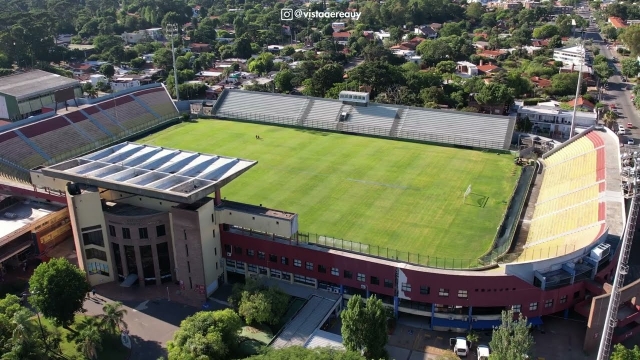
x=145 y=349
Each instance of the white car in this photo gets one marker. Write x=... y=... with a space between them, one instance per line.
x=630 y=141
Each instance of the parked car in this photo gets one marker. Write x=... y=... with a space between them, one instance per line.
x=630 y=141
x=629 y=126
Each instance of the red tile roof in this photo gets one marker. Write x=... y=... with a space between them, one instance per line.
x=617 y=22
x=341 y=34
x=540 y=82
x=492 y=53
x=582 y=102
x=487 y=68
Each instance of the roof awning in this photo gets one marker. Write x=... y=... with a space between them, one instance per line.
x=15 y=247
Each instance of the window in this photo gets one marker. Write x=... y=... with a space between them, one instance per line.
x=388 y=283
x=95 y=254
x=348 y=274
x=214 y=233
x=260 y=255
x=374 y=280
x=309 y=265
x=237 y=250
x=443 y=292
x=533 y=306
x=227 y=248
x=548 y=303
x=462 y=294
x=93 y=238
x=297 y=263
x=188 y=267
x=405 y=287
x=273 y=258
x=515 y=308
x=322 y=269
x=143 y=233
x=576 y=294
x=126 y=233
x=112 y=230
x=160 y=230
x=215 y=251
x=186 y=249
x=335 y=272
x=563 y=299
x=362 y=277
x=250 y=252
x=424 y=290
x=284 y=260
x=252 y=268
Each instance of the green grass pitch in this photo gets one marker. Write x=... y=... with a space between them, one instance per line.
x=394 y=194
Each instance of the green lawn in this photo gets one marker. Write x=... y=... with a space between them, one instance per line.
x=112 y=348
x=385 y=193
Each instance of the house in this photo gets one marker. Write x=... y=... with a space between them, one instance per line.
x=583 y=105
x=540 y=42
x=341 y=37
x=553 y=121
x=425 y=31
x=571 y=55
x=506 y=5
x=338 y=26
x=587 y=71
x=532 y=4
x=119 y=83
x=561 y=9
x=369 y=35
x=531 y=50
x=493 y=54
x=199 y=48
x=81 y=69
x=98 y=78
x=481 y=45
x=142 y=35
x=488 y=69
x=540 y=82
x=465 y=68
x=436 y=26
x=616 y=22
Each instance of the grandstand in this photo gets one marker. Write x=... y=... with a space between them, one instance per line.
x=429 y=125
x=54 y=139
x=572 y=189
x=25 y=94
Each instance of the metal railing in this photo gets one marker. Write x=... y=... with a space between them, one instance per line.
x=364 y=130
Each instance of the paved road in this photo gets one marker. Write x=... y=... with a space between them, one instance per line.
x=151 y=324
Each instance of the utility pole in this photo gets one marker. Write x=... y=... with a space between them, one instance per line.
x=172 y=29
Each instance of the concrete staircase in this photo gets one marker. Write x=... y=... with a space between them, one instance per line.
x=305 y=111
x=397 y=123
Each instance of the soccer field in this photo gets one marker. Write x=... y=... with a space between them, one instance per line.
x=400 y=195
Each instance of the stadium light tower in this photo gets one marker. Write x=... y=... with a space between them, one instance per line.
x=173 y=29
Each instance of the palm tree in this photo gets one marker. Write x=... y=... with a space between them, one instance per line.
x=92 y=92
x=112 y=319
x=89 y=338
x=610 y=119
x=22 y=327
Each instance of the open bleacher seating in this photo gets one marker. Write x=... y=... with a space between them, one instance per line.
x=569 y=213
x=371 y=119
x=323 y=112
x=83 y=130
x=451 y=128
x=55 y=136
x=85 y=125
x=158 y=100
x=254 y=106
x=127 y=112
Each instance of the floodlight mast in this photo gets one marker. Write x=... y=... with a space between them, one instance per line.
x=173 y=29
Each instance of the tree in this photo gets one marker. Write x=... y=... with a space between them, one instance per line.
x=511 y=340
x=630 y=67
x=19 y=339
x=622 y=353
x=364 y=326
x=610 y=118
x=564 y=84
x=258 y=303
x=545 y=31
x=113 y=317
x=323 y=79
x=300 y=353
x=88 y=339
x=261 y=64
x=494 y=94
x=447 y=67
x=58 y=290
x=107 y=70
x=283 y=80
x=631 y=38
x=206 y=335
x=163 y=58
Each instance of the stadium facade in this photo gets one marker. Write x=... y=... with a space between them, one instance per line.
x=35 y=92
x=143 y=214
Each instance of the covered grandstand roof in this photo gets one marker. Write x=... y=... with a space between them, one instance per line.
x=32 y=83
x=169 y=174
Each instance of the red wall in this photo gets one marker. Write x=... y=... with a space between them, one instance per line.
x=494 y=295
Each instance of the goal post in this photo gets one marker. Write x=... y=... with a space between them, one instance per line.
x=466 y=193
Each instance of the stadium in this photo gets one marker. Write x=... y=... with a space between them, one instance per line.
x=423 y=208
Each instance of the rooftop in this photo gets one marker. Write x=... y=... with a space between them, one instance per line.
x=232 y=205
x=156 y=172
x=32 y=83
x=21 y=215
x=122 y=209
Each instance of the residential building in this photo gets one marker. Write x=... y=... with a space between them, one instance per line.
x=554 y=121
x=493 y=54
x=466 y=68
x=488 y=69
x=338 y=26
x=153 y=34
x=341 y=37
x=583 y=105
x=120 y=83
x=426 y=31
x=616 y=22
x=571 y=55
x=199 y=48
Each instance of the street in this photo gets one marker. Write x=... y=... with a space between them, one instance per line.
x=617 y=93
